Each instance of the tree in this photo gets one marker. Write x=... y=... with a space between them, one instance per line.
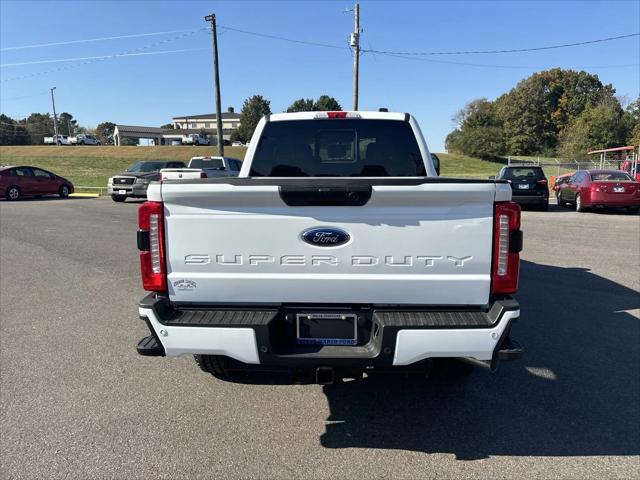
x=253 y=109
x=168 y=126
x=39 y=125
x=66 y=124
x=597 y=127
x=325 y=103
x=12 y=132
x=631 y=119
x=541 y=106
x=104 y=132
x=301 y=105
x=479 y=132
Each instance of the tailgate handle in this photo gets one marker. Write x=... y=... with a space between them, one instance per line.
x=343 y=196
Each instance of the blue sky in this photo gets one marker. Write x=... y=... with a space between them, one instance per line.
x=149 y=90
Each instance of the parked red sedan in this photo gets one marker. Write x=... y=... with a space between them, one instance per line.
x=600 y=188
x=16 y=182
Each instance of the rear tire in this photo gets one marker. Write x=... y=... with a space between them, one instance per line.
x=633 y=210
x=579 y=206
x=216 y=365
x=450 y=369
x=118 y=198
x=544 y=207
x=13 y=193
x=64 y=191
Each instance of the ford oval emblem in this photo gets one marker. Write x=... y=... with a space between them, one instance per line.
x=325 y=237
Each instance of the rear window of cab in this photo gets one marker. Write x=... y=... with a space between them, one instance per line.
x=338 y=148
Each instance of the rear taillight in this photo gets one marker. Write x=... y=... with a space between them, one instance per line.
x=151 y=246
x=507 y=244
x=542 y=182
x=203 y=175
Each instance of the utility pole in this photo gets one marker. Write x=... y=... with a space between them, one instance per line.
x=216 y=81
x=354 y=41
x=55 y=119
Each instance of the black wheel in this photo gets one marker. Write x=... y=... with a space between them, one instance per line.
x=450 y=369
x=13 y=193
x=118 y=198
x=216 y=365
x=544 y=207
x=98 y=143
x=633 y=210
x=579 y=206
x=82 y=143
x=64 y=191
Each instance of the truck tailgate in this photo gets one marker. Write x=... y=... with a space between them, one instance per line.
x=410 y=244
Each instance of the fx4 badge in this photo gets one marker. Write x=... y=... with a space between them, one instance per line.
x=185 y=285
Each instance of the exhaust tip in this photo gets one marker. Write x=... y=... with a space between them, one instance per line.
x=325 y=376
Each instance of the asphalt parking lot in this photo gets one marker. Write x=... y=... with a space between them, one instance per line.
x=78 y=402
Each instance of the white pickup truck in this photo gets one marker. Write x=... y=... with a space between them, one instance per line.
x=337 y=251
x=204 y=167
x=83 y=139
x=195 y=139
x=56 y=139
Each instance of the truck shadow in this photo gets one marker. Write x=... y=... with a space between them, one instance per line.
x=575 y=392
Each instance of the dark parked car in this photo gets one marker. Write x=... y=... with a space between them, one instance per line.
x=600 y=188
x=135 y=181
x=17 y=182
x=528 y=184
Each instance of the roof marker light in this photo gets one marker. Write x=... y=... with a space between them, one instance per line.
x=339 y=114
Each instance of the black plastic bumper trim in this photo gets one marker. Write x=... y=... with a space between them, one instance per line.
x=269 y=322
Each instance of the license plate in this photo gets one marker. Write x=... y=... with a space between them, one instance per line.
x=618 y=189
x=524 y=186
x=326 y=329
x=122 y=192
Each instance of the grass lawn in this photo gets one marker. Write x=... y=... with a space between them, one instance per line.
x=89 y=166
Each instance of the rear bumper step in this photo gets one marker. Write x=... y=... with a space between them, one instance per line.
x=150 y=347
x=386 y=336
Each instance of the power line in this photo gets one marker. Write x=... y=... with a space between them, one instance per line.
x=515 y=50
x=101 y=57
x=100 y=39
x=23 y=96
x=88 y=62
x=485 y=65
x=284 y=39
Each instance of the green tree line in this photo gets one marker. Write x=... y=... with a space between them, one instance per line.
x=552 y=113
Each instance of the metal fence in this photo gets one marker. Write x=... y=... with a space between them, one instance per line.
x=558 y=167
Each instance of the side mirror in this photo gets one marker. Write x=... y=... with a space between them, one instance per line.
x=436 y=163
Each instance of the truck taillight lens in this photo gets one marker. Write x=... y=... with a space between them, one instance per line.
x=151 y=246
x=507 y=244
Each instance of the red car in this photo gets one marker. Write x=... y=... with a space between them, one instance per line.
x=16 y=182
x=600 y=188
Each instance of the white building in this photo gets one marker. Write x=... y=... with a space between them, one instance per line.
x=184 y=125
x=230 y=121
